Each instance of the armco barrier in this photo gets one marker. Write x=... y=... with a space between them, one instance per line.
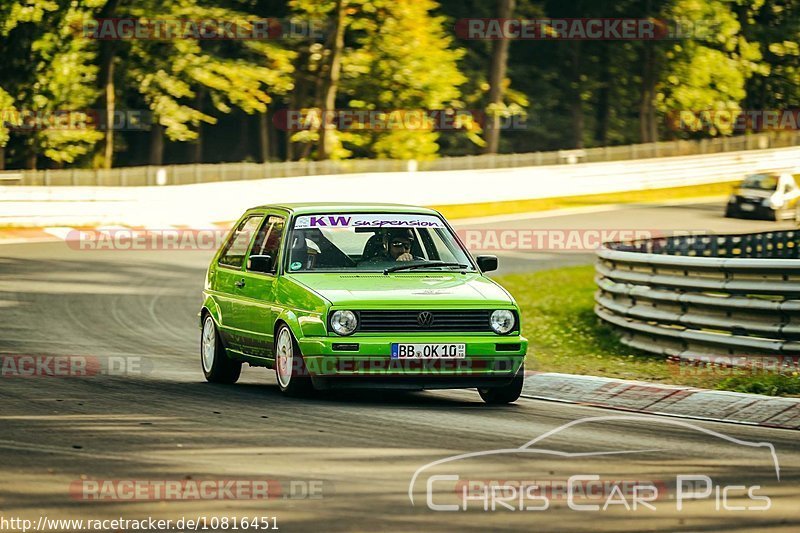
x=697 y=297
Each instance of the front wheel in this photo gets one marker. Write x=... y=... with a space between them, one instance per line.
x=290 y=369
x=217 y=366
x=507 y=393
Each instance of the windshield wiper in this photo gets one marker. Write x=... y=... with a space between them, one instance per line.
x=421 y=265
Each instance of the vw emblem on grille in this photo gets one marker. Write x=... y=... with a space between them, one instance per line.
x=425 y=319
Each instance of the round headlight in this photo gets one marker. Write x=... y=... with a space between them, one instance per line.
x=502 y=321
x=344 y=322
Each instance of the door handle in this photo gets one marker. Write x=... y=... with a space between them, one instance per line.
x=239 y=283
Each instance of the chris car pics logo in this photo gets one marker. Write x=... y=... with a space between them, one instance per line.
x=447 y=489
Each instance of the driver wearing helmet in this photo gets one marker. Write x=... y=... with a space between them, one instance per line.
x=398 y=243
x=391 y=244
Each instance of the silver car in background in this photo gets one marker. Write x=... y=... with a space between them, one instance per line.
x=770 y=195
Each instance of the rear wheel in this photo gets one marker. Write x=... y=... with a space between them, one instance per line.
x=217 y=366
x=290 y=368
x=507 y=393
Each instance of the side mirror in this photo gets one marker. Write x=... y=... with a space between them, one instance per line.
x=260 y=263
x=487 y=263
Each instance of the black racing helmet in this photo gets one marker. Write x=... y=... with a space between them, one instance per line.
x=400 y=233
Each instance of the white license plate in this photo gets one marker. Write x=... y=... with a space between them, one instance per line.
x=429 y=351
x=748 y=207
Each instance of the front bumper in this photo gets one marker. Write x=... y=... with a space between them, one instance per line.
x=755 y=211
x=491 y=360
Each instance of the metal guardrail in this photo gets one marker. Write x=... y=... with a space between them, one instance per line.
x=187 y=174
x=698 y=296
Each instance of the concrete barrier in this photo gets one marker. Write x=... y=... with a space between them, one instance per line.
x=208 y=202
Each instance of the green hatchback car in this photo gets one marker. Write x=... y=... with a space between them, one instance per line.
x=359 y=296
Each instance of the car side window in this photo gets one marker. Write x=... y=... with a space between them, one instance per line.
x=236 y=248
x=268 y=240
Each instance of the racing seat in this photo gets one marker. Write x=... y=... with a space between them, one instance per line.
x=373 y=248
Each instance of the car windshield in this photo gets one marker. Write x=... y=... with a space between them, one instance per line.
x=369 y=242
x=764 y=182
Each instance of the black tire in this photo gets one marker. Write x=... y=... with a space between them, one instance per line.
x=217 y=366
x=730 y=212
x=507 y=393
x=298 y=382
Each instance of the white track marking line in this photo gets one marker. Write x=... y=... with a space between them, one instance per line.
x=62 y=232
x=113 y=228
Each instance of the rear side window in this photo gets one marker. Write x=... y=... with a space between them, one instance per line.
x=235 y=250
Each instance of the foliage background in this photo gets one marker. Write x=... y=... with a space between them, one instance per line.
x=216 y=100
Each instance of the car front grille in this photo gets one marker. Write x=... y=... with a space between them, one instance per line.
x=749 y=200
x=437 y=320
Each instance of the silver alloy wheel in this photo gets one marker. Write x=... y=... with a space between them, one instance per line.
x=209 y=344
x=285 y=357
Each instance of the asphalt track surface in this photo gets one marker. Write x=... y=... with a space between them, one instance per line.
x=343 y=461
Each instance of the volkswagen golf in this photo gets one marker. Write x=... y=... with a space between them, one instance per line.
x=359 y=296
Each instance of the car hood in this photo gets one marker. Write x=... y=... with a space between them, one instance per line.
x=417 y=289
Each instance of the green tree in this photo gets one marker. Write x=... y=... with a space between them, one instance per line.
x=708 y=71
x=775 y=26
x=408 y=62
x=397 y=55
x=167 y=74
x=7 y=110
x=51 y=73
